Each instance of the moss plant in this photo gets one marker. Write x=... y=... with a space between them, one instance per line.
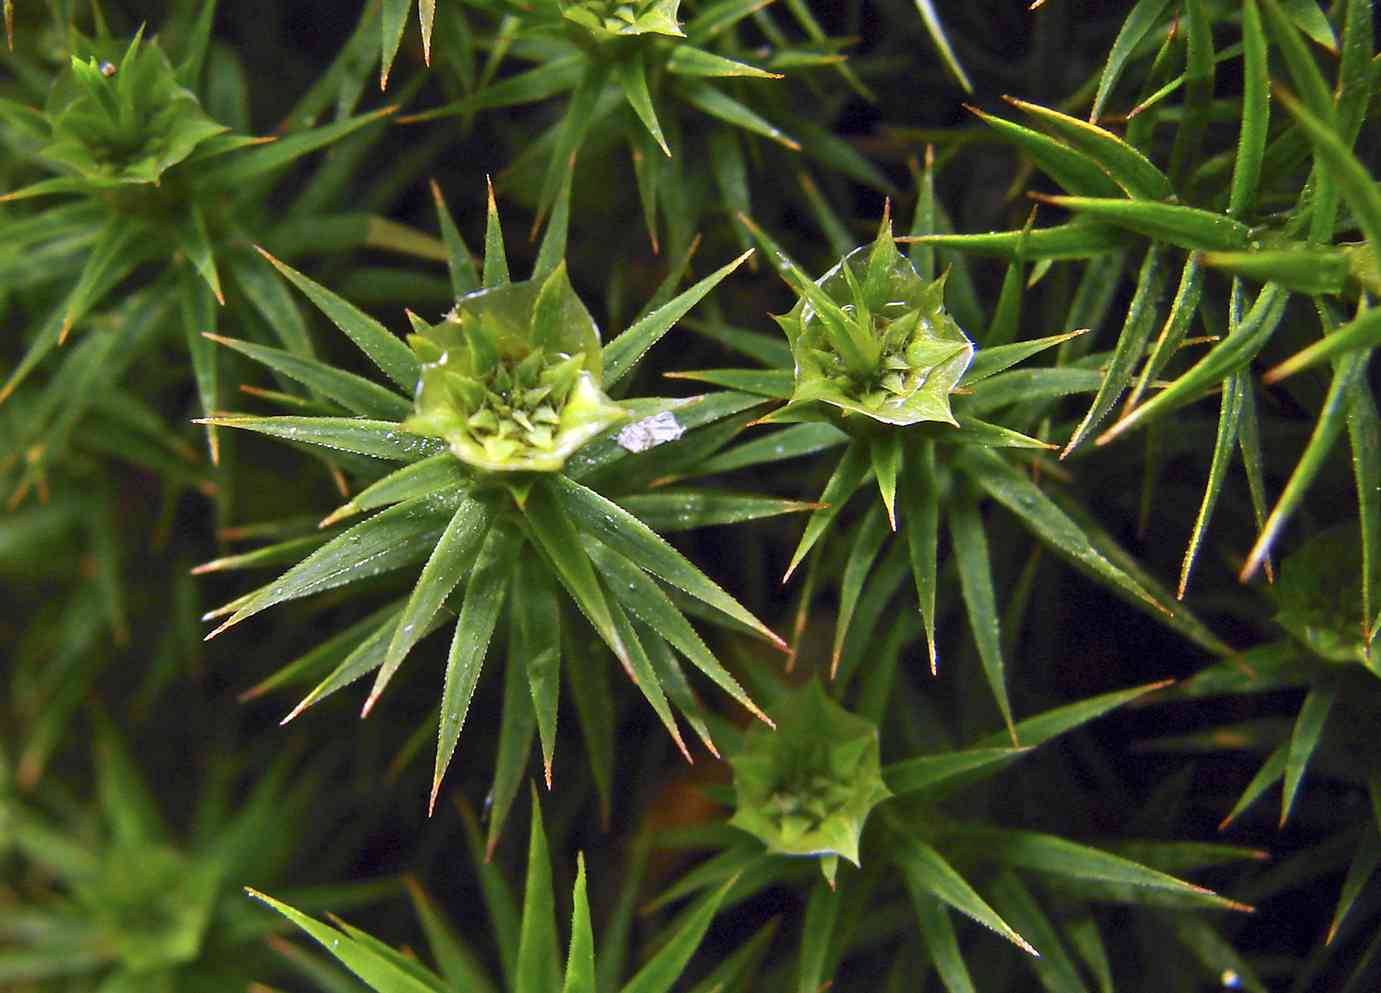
x=950 y=425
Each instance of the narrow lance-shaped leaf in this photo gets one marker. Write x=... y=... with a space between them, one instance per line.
x=580 y=959
x=538 y=967
x=452 y=557
x=623 y=353
x=395 y=359
x=922 y=540
x=537 y=636
x=847 y=477
x=1129 y=168
x=926 y=871
x=484 y=596
x=867 y=542
x=1308 y=730
x=1142 y=19
x=630 y=537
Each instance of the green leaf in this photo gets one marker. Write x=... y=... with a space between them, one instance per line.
x=687 y=60
x=394 y=18
x=557 y=536
x=580 y=960
x=1019 y=905
x=989 y=362
x=1256 y=111
x=942 y=945
x=455 y=552
x=1306 y=269
x=867 y=541
x=820 y=926
x=925 y=772
x=460 y=264
x=233 y=172
x=1187 y=227
x=970 y=544
x=1056 y=856
x=630 y=537
x=388 y=540
x=720 y=105
x=1130 y=169
x=663 y=969
x=669 y=509
x=1140 y=22
x=459 y=965
x=922 y=541
x=633 y=79
x=778 y=384
x=536 y=646
x=376 y=970
x=1079 y=239
x=1308 y=730
x=936 y=30
x=538 y=966
x=484 y=596
x=623 y=353
x=355 y=393
x=386 y=351
x=850 y=472
x=927 y=873
x=377 y=439
x=1078 y=173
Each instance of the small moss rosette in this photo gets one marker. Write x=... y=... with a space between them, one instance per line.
x=872 y=337
x=605 y=19
x=511 y=377
x=807 y=787
x=116 y=123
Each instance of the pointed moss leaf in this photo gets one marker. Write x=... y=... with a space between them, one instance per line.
x=460 y=264
x=1331 y=419
x=547 y=516
x=385 y=350
x=536 y=619
x=719 y=104
x=1140 y=22
x=1260 y=322
x=1079 y=239
x=377 y=439
x=538 y=969
x=988 y=362
x=580 y=959
x=1304 y=739
x=1052 y=526
x=641 y=670
x=459 y=965
x=233 y=171
x=1228 y=420
x=790 y=442
x=850 y=472
x=922 y=540
x=1061 y=720
x=886 y=453
x=941 y=943
x=484 y=596
x=373 y=968
x=355 y=393
x=774 y=383
x=808 y=786
x=669 y=509
x=195 y=242
x=1187 y=227
x=1309 y=270
x=623 y=353
x=867 y=542
x=1056 y=856
x=452 y=557
x=633 y=79
x=1362 y=333
x=389 y=540
x=440 y=473
x=197 y=309
x=1018 y=904
x=1131 y=345
x=925 y=772
x=1130 y=169
x=687 y=60
x=630 y=537
x=970 y=544
x=1267 y=776
x=394 y=19
x=1251 y=141
x=1079 y=174
x=927 y=873
x=663 y=969
x=517 y=724
x=1353 y=180
x=649 y=603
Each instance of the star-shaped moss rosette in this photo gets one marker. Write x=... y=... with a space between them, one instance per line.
x=880 y=367
x=871 y=337
x=127 y=121
x=506 y=470
x=807 y=787
x=150 y=187
x=511 y=377
x=633 y=74
x=110 y=897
